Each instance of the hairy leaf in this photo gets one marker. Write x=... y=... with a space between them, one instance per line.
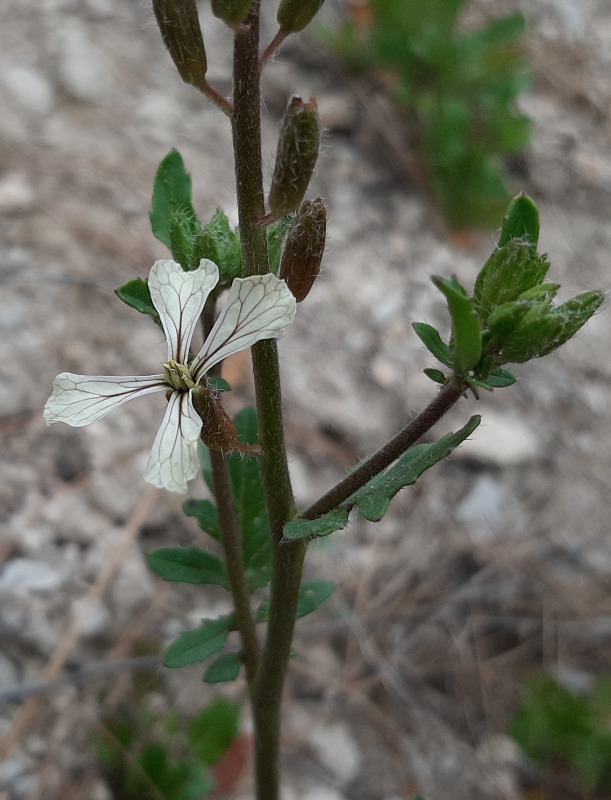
x=374 y=498
x=188 y=565
x=136 y=294
x=171 y=196
x=431 y=339
x=191 y=647
x=307 y=528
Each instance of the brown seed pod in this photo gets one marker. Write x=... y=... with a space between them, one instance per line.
x=304 y=248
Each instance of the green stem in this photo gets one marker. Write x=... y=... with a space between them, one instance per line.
x=266 y=690
x=231 y=539
x=232 y=548
x=449 y=393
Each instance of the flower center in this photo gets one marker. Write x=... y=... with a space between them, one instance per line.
x=178 y=376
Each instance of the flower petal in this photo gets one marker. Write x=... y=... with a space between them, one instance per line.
x=259 y=307
x=79 y=400
x=173 y=460
x=179 y=298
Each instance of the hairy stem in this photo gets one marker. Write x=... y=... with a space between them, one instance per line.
x=231 y=538
x=266 y=690
x=232 y=548
x=449 y=393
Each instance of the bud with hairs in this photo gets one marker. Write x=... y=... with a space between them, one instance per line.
x=296 y=156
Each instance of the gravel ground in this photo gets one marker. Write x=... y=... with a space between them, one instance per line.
x=409 y=679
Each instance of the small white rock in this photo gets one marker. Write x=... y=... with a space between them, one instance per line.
x=83 y=70
x=482 y=508
x=503 y=440
x=29 y=575
x=337 y=750
x=322 y=792
x=92 y=620
x=16 y=194
x=31 y=88
x=9 y=674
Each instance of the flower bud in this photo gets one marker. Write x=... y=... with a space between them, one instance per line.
x=304 y=248
x=294 y=15
x=232 y=12
x=509 y=272
x=296 y=156
x=182 y=35
x=543 y=328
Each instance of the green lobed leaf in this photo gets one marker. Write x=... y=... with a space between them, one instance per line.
x=430 y=338
x=308 y=528
x=312 y=594
x=521 y=221
x=191 y=647
x=136 y=294
x=223 y=669
x=466 y=330
x=214 y=729
x=206 y=514
x=188 y=565
x=374 y=498
x=171 y=196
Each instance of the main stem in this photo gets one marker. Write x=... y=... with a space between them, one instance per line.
x=266 y=688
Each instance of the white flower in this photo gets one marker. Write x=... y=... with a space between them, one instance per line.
x=259 y=307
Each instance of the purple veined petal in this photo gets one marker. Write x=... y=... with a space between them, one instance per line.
x=179 y=298
x=80 y=400
x=173 y=460
x=258 y=307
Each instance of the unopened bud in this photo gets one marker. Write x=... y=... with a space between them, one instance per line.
x=232 y=12
x=543 y=328
x=294 y=15
x=304 y=248
x=296 y=156
x=182 y=35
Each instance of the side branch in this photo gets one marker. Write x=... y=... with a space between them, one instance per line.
x=409 y=435
x=232 y=547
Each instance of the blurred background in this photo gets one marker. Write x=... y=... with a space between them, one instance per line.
x=418 y=675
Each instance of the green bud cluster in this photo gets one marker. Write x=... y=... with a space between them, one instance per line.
x=304 y=248
x=296 y=156
x=510 y=318
x=179 y=25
